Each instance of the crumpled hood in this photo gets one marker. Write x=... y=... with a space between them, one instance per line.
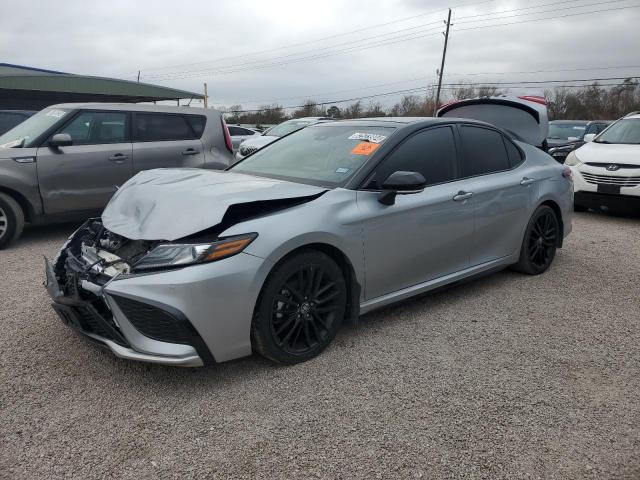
x=609 y=153
x=172 y=203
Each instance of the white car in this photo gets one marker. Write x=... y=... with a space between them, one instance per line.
x=239 y=134
x=256 y=142
x=606 y=170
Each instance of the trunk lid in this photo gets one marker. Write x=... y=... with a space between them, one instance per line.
x=524 y=117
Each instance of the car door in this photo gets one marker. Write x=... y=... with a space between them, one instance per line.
x=424 y=235
x=503 y=198
x=166 y=140
x=84 y=175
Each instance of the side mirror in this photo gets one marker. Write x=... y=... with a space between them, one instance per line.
x=589 y=137
x=61 y=140
x=401 y=183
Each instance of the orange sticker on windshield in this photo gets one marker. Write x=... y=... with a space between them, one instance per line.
x=365 y=148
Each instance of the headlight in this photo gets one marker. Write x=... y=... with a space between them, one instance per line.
x=572 y=159
x=182 y=254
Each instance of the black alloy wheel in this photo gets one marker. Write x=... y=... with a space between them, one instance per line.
x=301 y=308
x=540 y=242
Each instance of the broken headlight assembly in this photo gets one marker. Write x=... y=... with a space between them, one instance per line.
x=173 y=255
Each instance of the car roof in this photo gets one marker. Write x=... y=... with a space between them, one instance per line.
x=402 y=121
x=136 y=107
x=310 y=119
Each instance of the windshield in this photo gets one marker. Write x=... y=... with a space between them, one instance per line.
x=324 y=154
x=566 y=131
x=287 y=127
x=623 y=131
x=24 y=134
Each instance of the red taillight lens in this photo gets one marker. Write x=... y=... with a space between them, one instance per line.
x=227 y=136
x=566 y=173
x=534 y=98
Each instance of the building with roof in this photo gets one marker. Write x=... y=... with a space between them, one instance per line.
x=28 y=88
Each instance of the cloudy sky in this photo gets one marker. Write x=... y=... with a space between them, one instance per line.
x=259 y=52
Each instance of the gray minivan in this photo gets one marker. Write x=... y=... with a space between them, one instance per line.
x=66 y=161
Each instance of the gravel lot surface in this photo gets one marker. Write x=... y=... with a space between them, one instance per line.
x=506 y=377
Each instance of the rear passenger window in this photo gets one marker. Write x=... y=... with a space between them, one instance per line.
x=235 y=131
x=197 y=123
x=485 y=152
x=515 y=155
x=158 y=127
x=430 y=152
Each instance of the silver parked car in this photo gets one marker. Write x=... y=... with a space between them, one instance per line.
x=253 y=144
x=66 y=161
x=187 y=267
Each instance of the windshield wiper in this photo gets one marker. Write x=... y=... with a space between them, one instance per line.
x=602 y=141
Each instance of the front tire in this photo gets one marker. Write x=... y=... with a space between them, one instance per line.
x=540 y=242
x=11 y=220
x=300 y=308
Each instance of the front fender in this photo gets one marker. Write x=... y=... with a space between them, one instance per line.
x=21 y=180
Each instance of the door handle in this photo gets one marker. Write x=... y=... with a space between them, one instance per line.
x=118 y=158
x=527 y=181
x=190 y=151
x=461 y=196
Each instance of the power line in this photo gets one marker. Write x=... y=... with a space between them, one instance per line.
x=447 y=86
x=402 y=38
x=416 y=79
x=329 y=37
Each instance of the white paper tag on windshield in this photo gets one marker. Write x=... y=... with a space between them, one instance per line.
x=56 y=113
x=369 y=137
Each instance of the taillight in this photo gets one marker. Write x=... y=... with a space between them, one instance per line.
x=227 y=135
x=534 y=98
x=566 y=173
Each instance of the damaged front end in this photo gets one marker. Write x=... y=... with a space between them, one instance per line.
x=132 y=328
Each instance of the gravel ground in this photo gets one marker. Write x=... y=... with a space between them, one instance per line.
x=506 y=377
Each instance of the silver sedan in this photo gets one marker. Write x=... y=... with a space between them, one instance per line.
x=187 y=267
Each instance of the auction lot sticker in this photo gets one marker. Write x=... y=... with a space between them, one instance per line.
x=369 y=137
x=365 y=148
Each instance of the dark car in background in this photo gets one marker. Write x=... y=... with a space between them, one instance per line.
x=567 y=135
x=66 y=161
x=11 y=118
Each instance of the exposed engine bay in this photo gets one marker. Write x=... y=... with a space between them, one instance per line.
x=97 y=255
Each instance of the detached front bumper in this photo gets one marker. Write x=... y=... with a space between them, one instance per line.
x=101 y=317
x=189 y=316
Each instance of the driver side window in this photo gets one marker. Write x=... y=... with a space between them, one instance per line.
x=94 y=128
x=430 y=152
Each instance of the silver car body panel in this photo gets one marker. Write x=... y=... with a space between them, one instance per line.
x=51 y=182
x=423 y=241
x=167 y=204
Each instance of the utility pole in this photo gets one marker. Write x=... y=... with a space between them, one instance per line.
x=444 y=54
x=206 y=96
x=138 y=76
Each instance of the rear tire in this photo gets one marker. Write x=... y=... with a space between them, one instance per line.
x=300 y=308
x=540 y=242
x=11 y=220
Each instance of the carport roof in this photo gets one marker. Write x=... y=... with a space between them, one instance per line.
x=31 y=88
